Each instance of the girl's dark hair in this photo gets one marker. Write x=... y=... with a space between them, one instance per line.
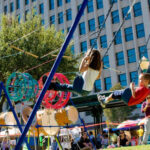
x=146 y=76
x=95 y=60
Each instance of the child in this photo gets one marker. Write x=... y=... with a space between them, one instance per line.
x=131 y=96
x=91 y=66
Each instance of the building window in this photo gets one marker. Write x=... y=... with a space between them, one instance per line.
x=122 y=79
x=91 y=23
x=60 y=18
x=134 y=77
x=68 y=29
x=143 y=51
x=106 y=62
x=93 y=43
x=19 y=18
x=120 y=58
x=107 y=83
x=34 y=10
x=131 y=55
x=118 y=39
x=51 y=4
x=140 y=30
x=5 y=10
x=26 y=13
x=41 y=8
x=83 y=46
x=99 y=4
x=97 y=85
x=68 y=1
x=113 y=1
x=137 y=9
x=42 y=22
x=52 y=19
x=17 y=4
x=128 y=34
x=124 y=13
x=26 y=2
x=72 y=49
x=115 y=17
x=69 y=14
x=78 y=8
x=11 y=7
x=101 y=21
x=103 y=41
x=82 y=29
x=90 y=6
x=59 y=3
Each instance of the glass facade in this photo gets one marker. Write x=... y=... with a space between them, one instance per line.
x=143 y=51
x=115 y=17
x=128 y=34
x=120 y=58
x=124 y=13
x=107 y=83
x=123 y=79
x=106 y=62
x=100 y=21
x=91 y=23
x=103 y=41
x=118 y=38
x=93 y=43
x=83 y=46
x=140 y=30
x=99 y=4
x=134 y=77
x=82 y=29
x=137 y=9
x=68 y=14
x=131 y=55
x=60 y=18
x=90 y=7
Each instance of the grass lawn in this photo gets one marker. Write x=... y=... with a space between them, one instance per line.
x=140 y=147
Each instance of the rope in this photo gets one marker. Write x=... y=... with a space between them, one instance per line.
x=101 y=28
x=124 y=19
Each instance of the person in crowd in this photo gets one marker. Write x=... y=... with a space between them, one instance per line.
x=140 y=134
x=92 y=138
x=123 y=139
x=112 y=137
x=99 y=139
x=146 y=109
x=90 y=67
x=85 y=142
x=104 y=140
x=130 y=96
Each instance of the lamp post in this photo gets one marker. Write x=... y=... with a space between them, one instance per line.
x=144 y=64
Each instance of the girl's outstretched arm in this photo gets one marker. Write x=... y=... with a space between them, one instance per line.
x=84 y=64
x=132 y=86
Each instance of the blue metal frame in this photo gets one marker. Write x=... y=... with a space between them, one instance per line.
x=53 y=70
x=2 y=87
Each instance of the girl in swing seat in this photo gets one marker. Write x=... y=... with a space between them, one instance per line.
x=90 y=67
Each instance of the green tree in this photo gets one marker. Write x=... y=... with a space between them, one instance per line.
x=40 y=41
x=118 y=114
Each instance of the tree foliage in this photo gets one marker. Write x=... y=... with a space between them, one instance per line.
x=40 y=41
x=30 y=36
x=118 y=114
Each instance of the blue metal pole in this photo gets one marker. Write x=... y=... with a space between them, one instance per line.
x=12 y=109
x=53 y=70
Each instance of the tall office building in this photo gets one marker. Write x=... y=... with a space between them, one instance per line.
x=122 y=60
